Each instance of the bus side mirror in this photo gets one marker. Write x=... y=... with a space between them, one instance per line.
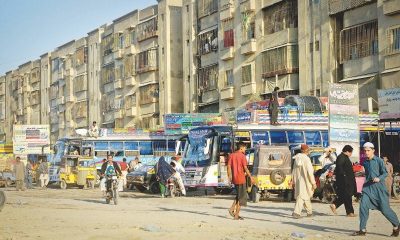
x=177 y=147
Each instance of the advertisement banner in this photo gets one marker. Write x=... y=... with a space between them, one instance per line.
x=344 y=127
x=243 y=117
x=181 y=123
x=29 y=139
x=389 y=103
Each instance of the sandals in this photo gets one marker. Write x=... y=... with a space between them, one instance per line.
x=239 y=218
x=231 y=213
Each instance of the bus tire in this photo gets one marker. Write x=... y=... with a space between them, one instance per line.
x=255 y=195
x=277 y=177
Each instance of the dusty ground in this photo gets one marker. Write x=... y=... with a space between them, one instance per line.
x=83 y=214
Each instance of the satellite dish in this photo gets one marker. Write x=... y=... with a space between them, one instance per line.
x=81 y=132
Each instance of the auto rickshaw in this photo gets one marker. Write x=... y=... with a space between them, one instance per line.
x=77 y=171
x=272 y=169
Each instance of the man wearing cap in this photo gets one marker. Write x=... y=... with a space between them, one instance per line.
x=374 y=194
x=303 y=181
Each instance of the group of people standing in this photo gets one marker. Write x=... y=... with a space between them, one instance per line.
x=375 y=192
x=24 y=174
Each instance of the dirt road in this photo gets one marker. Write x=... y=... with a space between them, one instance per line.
x=83 y=214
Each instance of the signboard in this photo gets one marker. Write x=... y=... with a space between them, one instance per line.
x=29 y=139
x=344 y=128
x=181 y=123
x=389 y=103
x=243 y=117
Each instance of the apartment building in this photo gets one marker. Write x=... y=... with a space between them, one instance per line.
x=239 y=50
x=2 y=108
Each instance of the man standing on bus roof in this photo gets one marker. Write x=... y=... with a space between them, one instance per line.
x=374 y=193
x=237 y=168
x=273 y=106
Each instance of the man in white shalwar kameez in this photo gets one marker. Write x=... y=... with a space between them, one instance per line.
x=304 y=182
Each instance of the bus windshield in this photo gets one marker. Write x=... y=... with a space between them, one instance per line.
x=199 y=148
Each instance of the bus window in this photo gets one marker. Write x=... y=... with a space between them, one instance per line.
x=160 y=148
x=101 y=145
x=146 y=148
x=278 y=137
x=226 y=145
x=325 y=138
x=313 y=138
x=132 y=146
x=260 y=138
x=364 y=137
x=119 y=154
x=295 y=136
x=171 y=145
x=116 y=146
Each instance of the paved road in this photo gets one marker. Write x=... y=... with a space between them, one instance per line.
x=83 y=214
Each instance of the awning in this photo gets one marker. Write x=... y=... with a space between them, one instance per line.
x=207 y=29
x=391 y=70
x=208 y=103
x=358 y=77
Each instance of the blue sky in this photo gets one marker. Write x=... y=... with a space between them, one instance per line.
x=30 y=28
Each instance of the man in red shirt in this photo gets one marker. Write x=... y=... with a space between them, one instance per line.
x=237 y=167
x=124 y=169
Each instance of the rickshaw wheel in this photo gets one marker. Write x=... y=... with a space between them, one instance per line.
x=278 y=180
x=2 y=199
x=155 y=187
x=63 y=184
x=255 y=195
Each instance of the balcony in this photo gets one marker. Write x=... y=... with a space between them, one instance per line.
x=227 y=53
x=248 y=89
x=249 y=47
x=119 y=114
x=227 y=93
x=130 y=81
x=226 y=13
x=61 y=100
x=391 y=7
x=118 y=54
x=131 y=112
x=70 y=99
x=337 y=6
x=118 y=84
x=130 y=50
x=247 y=6
x=149 y=108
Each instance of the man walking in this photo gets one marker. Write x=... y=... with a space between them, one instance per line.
x=19 y=172
x=389 y=178
x=44 y=174
x=124 y=169
x=374 y=194
x=237 y=167
x=29 y=174
x=345 y=181
x=304 y=182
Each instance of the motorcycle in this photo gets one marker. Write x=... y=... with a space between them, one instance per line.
x=396 y=186
x=326 y=191
x=112 y=189
x=173 y=187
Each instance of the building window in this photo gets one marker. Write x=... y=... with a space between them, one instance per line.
x=227 y=27
x=149 y=94
x=248 y=26
x=393 y=35
x=53 y=91
x=129 y=66
x=80 y=83
x=246 y=74
x=208 y=78
x=281 y=60
x=207 y=7
x=35 y=98
x=107 y=44
x=81 y=56
x=146 y=122
x=80 y=109
x=119 y=72
x=317 y=45
x=121 y=42
x=359 y=41
x=208 y=42
x=132 y=37
x=108 y=74
x=130 y=101
x=147 y=29
x=228 y=78
x=280 y=16
x=147 y=60
x=35 y=75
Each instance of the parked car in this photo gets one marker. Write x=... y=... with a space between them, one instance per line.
x=143 y=179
